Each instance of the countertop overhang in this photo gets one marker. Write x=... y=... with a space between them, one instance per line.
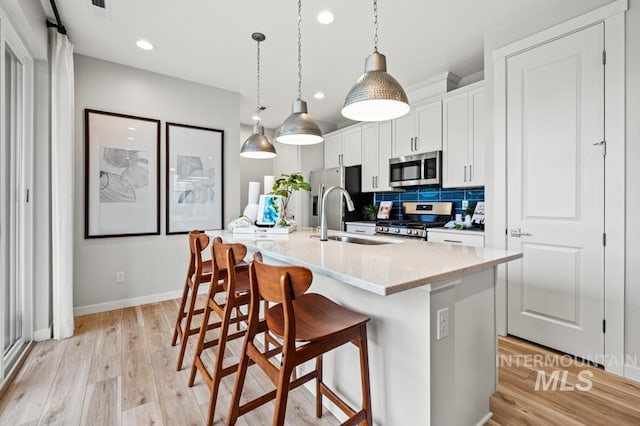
x=381 y=269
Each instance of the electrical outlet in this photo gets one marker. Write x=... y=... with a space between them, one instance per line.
x=465 y=204
x=443 y=323
x=119 y=277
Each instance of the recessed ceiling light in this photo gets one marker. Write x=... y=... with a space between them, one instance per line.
x=130 y=138
x=325 y=17
x=144 y=44
x=319 y=95
x=132 y=128
x=255 y=117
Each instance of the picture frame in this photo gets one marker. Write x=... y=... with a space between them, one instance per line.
x=122 y=175
x=194 y=178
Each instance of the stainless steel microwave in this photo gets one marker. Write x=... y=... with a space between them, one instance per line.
x=414 y=170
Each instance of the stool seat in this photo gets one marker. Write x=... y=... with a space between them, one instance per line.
x=316 y=318
x=242 y=279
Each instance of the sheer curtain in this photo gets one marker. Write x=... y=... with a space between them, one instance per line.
x=62 y=152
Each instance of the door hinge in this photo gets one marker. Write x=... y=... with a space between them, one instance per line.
x=604 y=239
x=604 y=57
x=604 y=326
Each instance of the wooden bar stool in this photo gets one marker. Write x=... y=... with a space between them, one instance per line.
x=198 y=272
x=227 y=277
x=310 y=318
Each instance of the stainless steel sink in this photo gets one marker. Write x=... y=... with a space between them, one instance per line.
x=356 y=240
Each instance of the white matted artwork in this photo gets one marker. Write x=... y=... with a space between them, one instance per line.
x=122 y=176
x=194 y=178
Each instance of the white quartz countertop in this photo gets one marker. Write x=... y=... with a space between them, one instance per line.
x=381 y=269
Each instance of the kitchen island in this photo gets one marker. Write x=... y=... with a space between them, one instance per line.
x=421 y=374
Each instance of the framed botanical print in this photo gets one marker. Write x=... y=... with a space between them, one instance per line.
x=122 y=175
x=194 y=178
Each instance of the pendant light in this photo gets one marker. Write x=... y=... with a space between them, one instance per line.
x=299 y=128
x=376 y=96
x=258 y=145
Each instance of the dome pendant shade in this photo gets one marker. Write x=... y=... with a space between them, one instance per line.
x=376 y=96
x=299 y=128
x=257 y=145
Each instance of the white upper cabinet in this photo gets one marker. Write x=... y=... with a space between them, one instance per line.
x=343 y=147
x=463 y=139
x=419 y=131
x=376 y=151
x=332 y=150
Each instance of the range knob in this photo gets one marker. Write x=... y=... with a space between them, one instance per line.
x=409 y=231
x=397 y=230
x=385 y=229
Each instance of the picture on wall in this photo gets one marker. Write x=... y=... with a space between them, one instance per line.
x=122 y=175
x=194 y=178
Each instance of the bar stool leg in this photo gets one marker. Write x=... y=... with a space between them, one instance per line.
x=364 y=373
x=187 y=328
x=284 y=380
x=201 y=336
x=217 y=366
x=241 y=374
x=181 y=313
x=318 y=382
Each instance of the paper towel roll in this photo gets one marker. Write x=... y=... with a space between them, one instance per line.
x=268 y=183
x=254 y=192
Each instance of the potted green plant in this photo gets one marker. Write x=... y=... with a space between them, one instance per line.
x=370 y=212
x=285 y=186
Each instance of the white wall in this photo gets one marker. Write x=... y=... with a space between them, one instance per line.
x=251 y=169
x=152 y=264
x=632 y=310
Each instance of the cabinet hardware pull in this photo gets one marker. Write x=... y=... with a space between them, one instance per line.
x=359 y=230
x=453 y=241
x=411 y=148
x=340 y=159
x=373 y=181
x=415 y=143
x=465 y=173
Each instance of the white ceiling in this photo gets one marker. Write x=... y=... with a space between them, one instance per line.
x=209 y=42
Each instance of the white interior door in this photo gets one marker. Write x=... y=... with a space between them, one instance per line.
x=555 y=187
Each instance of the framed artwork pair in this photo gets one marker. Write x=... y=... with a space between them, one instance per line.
x=122 y=176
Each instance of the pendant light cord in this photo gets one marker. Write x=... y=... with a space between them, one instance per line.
x=299 y=49
x=258 y=85
x=375 y=25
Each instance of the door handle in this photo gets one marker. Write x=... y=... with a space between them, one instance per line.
x=518 y=233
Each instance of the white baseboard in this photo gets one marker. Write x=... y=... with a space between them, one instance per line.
x=42 y=334
x=485 y=419
x=632 y=372
x=134 y=301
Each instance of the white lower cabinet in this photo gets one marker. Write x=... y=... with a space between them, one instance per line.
x=463 y=238
x=366 y=228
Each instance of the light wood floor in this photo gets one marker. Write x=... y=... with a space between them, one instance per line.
x=119 y=369
x=611 y=400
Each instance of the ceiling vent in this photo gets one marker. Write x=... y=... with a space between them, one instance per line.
x=98 y=3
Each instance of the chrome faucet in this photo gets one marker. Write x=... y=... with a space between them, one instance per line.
x=323 y=214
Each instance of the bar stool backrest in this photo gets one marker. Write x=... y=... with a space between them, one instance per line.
x=281 y=284
x=197 y=243
x=220 y=255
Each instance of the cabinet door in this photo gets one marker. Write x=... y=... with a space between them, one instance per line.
x=451 y=238
x=332 y=150
x=404 y=134
x=429 y=127
x=476 y=137
x=455 y=141
x=385 y=138
x=352 y=147
x=369 y=157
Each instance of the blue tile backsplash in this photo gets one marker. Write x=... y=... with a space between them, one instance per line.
x=429 y=193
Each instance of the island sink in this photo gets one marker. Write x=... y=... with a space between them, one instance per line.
x=356 y=240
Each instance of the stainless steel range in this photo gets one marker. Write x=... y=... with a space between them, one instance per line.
x=418 y=217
